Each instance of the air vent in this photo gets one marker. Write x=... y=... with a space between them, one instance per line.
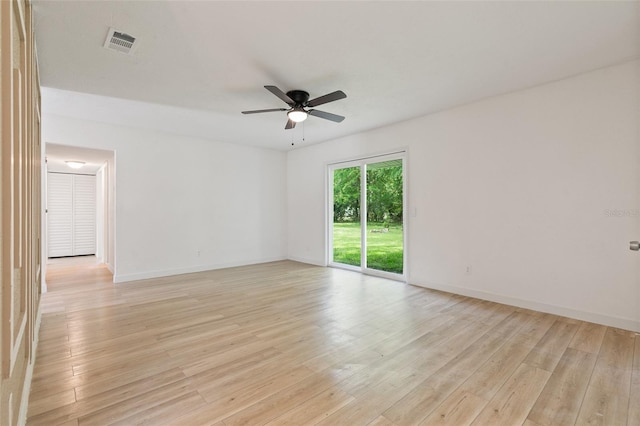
x=120 y=42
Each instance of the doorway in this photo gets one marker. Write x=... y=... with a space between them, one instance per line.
x=92 y=227
x=367 y=215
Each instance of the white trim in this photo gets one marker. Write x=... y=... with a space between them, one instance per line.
x=361 y=159
x=328 y=214
x=346 y=267
x=611 y=321
x=307 y=261
x=364 y=216
x=327 y=211
x=26 y=388
x=188 y=270
x=18 y=339
x=405 y=216
x=384 y=274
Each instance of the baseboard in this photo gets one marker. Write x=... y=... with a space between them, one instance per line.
x=121 y=278
x=612 y=321
x=26 y=388
x=305 y=260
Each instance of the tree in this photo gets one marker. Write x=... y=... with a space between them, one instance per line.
x=346 y=194
x=384 y=194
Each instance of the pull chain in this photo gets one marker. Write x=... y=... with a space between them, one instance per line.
x=292 y=143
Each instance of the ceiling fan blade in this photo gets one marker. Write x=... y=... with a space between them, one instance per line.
x=279 y=93
x=256 y=111
x=290 y=124
x=326 y=115
x=334 y=96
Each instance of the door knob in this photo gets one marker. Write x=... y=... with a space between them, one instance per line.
x=634 y=245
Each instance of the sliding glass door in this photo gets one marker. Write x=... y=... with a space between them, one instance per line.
x=366 y=206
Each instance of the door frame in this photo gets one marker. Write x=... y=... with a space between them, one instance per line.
x=108 y=160
x=362 y=162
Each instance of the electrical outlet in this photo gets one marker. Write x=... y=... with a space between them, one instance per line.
x=468 y=270
x=198 y=253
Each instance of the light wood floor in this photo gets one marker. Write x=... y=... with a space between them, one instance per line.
x=287 y=343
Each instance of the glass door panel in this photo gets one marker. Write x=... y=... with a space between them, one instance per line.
x=384 y=212
x=347 y=232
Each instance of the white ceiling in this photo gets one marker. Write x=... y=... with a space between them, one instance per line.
x=200 y=63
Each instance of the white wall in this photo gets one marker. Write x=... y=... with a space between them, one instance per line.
x=101 y=214
x=185 y=204
x=536 y=190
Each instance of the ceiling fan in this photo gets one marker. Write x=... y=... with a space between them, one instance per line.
x=298 y=101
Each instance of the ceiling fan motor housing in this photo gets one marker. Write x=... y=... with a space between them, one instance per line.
x=300 y=97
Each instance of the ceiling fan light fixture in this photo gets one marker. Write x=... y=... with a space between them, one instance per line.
x=75 y=164
x=297 y=115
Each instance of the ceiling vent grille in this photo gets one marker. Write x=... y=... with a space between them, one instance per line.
x=120 y=42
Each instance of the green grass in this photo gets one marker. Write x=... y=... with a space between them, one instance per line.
x=384 y=249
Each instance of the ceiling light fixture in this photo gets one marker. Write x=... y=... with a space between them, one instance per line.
x=297 y=115
x=75 y=164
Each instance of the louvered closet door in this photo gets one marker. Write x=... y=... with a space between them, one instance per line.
x=84 y=214
x=60 y=214
x=71 y=214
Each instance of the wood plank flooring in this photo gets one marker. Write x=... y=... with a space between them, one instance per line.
x=291 y=344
